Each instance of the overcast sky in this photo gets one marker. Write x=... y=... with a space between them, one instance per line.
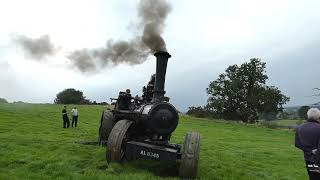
x=203 y=37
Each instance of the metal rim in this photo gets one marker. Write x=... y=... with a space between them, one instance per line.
x=117 y=141
x=190 y=155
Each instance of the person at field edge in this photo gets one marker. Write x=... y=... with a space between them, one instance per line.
x=307 y=139
x=74 y=113
x=66 y=122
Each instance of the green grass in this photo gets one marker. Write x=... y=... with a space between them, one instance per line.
x=33 y=145
x=286 y=122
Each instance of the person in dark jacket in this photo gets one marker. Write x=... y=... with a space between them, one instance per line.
x=307 y=139
x=66 y=122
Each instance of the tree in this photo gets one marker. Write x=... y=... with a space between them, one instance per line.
x=71 y=96
x=302 y=112
x=241 y=93
x=3 y=100
x=272 y=101
x=198 y=111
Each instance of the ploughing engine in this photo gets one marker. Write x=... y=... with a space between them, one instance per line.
x=141 y=127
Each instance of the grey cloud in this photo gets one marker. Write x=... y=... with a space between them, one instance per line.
x=297 y=73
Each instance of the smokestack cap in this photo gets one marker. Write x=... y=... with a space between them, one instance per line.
x=162 y=53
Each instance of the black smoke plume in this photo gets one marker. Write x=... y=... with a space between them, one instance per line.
x=82 y=60
x=36 y=48
x=152 y=15
x=114 y=53
x=151 y=22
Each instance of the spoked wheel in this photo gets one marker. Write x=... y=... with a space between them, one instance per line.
x=106 y=125
x=190 y=155
x=117 y=141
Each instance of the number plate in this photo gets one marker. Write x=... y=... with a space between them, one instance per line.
x=141 y=150
x=149 y=154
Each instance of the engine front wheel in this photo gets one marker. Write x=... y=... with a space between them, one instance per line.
x=117 y=141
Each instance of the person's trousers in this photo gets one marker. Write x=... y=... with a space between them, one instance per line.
x=66 y=122
x=74 y=121
x=312 y=174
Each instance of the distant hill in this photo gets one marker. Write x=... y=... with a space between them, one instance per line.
x=296 y=108
x=291 y=108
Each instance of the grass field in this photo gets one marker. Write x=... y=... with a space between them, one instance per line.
x=287 y=122
x=33 y=145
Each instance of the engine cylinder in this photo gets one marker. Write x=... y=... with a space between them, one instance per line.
x=162 y=118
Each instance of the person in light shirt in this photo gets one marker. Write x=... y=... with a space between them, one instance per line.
x=74 y=113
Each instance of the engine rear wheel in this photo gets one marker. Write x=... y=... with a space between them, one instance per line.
x=106 y=125
x=117 y=141
x=190 y=155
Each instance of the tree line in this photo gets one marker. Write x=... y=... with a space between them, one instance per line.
x=3 y=100
x=73 y=96
x=67 y=96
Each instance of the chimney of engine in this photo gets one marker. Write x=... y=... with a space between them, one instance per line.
x=161 y=68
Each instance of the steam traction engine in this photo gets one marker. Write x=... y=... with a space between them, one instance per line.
x=140 y=128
